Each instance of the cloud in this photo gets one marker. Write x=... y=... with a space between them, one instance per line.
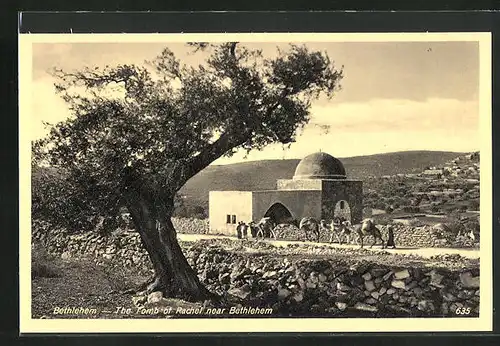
x=388 y=70
x=398 y=115
x=46 y=107
x=381 y=126
x=354 y=128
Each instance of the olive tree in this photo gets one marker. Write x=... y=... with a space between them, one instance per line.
x=137 y=134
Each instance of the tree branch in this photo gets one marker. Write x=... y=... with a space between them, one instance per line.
x=209 y=154
x=212 y=152
x=232 y=49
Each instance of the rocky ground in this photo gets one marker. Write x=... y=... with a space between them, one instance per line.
x=306 y=280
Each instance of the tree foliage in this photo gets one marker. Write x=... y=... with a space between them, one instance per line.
x=138 y=133
x=159 y=124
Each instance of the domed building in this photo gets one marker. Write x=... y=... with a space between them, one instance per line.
x=319 y=166
x=319 y=188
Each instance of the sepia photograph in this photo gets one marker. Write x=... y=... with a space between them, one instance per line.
x=241 y=182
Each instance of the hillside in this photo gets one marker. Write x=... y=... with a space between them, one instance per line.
x=262 y=175
x=452 y=186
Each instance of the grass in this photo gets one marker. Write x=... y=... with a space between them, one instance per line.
x=81 y=283
x=121 y=278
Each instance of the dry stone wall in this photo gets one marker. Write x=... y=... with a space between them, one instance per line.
x=404 y=235
x=191 y=226
x=317 y=287
x=292 y=287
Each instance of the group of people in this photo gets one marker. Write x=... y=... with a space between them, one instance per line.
x=263 y=229
x=339 y=228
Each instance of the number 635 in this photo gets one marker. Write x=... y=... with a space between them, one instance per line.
x=462 y=311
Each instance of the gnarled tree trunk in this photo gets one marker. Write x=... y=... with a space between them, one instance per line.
x=173 y=274
x=151 y=213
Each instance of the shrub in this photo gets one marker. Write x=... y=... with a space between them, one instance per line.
x=434 y=208
x=383 y=220
x=43 y=264
x=367 y=212
x=474 y=205
x=191 y=211
x=410 y=209
x=455 y=227
x=415 y=223
x=472 y=225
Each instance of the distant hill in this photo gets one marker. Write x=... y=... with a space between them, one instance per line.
x=262 y=175
x=451 y=187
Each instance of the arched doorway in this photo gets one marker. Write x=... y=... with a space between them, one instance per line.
x=279 y=214
x=342 y=209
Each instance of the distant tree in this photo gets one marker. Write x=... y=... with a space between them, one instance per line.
x=178 y=200
x=434 y=208
x=138 y=133
x=58 y=199
x=474 y=205
x=198 y=212
x=410 y=209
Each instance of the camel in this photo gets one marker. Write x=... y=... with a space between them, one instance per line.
x=265 y=228
x=339 y=229
x=308 y=225
x=368 y=227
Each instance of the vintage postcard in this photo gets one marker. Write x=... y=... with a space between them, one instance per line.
x=255 y=182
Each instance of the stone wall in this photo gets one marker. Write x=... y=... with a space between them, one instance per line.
x=426 y=236
x=322 y=287
x=190 y=226
x=297 y=287
x=404 y=235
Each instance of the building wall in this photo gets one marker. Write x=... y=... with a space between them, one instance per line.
x=350 y=191
x=303 y=184
x=237 y=204
x=299 y=203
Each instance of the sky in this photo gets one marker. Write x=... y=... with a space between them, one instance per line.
x=395 y=96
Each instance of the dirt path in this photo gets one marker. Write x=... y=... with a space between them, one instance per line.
x=423 y=252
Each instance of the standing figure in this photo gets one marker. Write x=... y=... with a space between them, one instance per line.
x=239 y=230
x=254 y=229
x=390 y=237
